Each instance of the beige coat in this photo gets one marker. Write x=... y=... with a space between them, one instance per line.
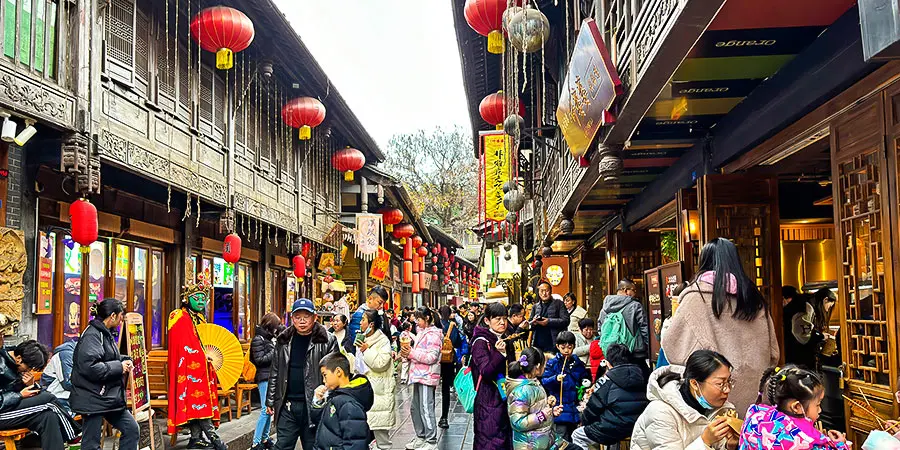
x=751 y=347
x=380 y=362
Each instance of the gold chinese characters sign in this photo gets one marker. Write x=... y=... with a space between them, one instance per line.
x=590 y=88
x=496 y=148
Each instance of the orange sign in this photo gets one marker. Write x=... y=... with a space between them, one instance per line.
x=380 y=265
x=590 y=88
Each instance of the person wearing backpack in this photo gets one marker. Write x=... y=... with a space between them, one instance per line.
x=452 y=341
x=622 y=321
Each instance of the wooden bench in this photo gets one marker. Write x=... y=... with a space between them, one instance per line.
x=11 y=437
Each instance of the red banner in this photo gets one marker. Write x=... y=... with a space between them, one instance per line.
x=380 y=265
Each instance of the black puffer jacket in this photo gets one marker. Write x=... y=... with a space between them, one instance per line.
x=10 y=383
x=98 y=383
x=262 y=352
x=342 y=421
x=618 y=400
x=321 y=343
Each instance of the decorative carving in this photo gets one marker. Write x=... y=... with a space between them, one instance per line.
x=32 y=97
x=650 y=34
x=610 y=162
x=143 y=159
x=114 y=146
x=284 y=219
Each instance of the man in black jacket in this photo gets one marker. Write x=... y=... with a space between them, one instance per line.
x=295 y=376
x=549 y=316
x=618 y=399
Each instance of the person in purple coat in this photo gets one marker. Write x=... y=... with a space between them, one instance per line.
x=490 y=357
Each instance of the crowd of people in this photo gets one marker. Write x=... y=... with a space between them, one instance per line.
x=546 y=375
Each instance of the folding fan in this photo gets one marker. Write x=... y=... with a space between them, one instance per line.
x=223 y=348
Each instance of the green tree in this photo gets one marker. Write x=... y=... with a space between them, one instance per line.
x=437 y=168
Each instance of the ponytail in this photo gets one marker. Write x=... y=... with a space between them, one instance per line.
x=527 y=363
x=103 y=309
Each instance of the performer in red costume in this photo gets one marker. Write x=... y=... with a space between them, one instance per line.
x=193 y=386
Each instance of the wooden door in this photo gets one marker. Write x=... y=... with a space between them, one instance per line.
x=744 y=209
x=863 y=236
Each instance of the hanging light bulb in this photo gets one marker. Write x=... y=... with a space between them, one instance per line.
x=8 y=133
x=26 y=134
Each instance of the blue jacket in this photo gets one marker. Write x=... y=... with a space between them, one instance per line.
x=65 y=352
x=575 y=374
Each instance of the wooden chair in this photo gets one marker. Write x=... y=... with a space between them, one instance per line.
x=245 y=387
x=158 y=382
x=225 y=396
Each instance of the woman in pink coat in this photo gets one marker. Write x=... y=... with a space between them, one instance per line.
x=424 y=376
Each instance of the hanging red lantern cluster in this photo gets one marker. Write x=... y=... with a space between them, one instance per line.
x=390 y=217
x=231 y=248
x=486 y=18
x=83 y=215
x=493 y=109
x=222 y=30
x=304 y=113
x=348 y=160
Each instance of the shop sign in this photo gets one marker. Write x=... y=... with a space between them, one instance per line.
x=45 y=277
x=590 y=88
x=473 y=293
x=495 y=146
x=134 y=343
x=368 y=235
x=380 y=265
x=554 y=275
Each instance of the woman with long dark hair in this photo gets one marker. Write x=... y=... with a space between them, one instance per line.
x=98 y=378
x=490 y=356
x=722 y=310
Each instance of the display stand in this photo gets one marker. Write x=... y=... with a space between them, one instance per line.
x=132 y=341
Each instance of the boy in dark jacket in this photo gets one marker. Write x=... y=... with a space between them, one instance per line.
x=342 y=420
x=565 y=373
x=618 y=399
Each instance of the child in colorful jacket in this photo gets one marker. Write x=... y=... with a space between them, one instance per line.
x=565 y=373
x=424 y=376
x=785 y=414
x=531 y=411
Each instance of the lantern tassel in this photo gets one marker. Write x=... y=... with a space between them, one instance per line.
x=305 y=132
x=495 y=42
x=225 y=59
x=348 y=175
x=389 y=228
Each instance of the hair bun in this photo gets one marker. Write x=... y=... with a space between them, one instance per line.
x=93 y=309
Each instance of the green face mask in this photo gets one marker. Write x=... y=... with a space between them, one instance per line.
x=197 y=302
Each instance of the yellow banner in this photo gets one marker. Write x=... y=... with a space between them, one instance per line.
x=496 y=172
x=380 y=265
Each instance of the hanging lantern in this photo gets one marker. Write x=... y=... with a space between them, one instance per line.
x=390 y=217
x=434 y=259
x=514 y=200
x=416 y=288
x=486 y=18
x=546 y=251
x=408 y=250
x=231 y=248
x=507 y=15
x=513 y=124
x=493 y=109
x=306 y=247
x=403 y=231
x=222 y=30
x=416 y=241
x=422 y=251
x=437 y=248
x=407 y=271
x=348 y=160
x=511 y=217
x=528 y=29
x=83 y=216
x=567 y=226
x=434 y=277
x=299 y=267
x=304 y=113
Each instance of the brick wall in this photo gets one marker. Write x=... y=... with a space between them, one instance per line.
x=14 y=193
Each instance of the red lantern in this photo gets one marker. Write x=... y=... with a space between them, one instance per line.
x=222 y=30
x=486 y=18
x=83 y=215
x=422 y=251
x=390 y=217
x=408 y=250
x=434 y=277
x=493 y=109
x=415 y=284
x=455 y=264
x=299 y=267
x=231 y=248
x=403 y=231
x=407 y=271
x=304 y=113
x=417 y=241
x=348 y=160
x=434 y=259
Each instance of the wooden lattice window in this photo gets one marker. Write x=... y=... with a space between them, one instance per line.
x=142 y=43
x=165 y=60
x=184 y=80
x=863 y=269
x=220 y=99
x=206 y=95
x=120 y=39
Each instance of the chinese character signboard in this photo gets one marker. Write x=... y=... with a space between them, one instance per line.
x=368 y=235
x=380 y=265
x=496 y=148
x=45 y=275
x=139 y=390
x=590 y=88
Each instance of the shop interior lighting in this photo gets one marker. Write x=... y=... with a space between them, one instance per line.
x=27 y=133
x=8 y=133
x=797 y=146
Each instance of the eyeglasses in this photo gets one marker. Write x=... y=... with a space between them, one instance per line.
x=725 y=386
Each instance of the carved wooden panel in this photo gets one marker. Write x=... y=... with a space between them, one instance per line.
x=34 y=98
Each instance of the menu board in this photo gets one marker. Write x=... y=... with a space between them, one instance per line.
x=672 y=276
x=654 y=310
x=133 y=343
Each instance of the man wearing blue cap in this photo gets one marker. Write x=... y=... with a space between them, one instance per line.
x=295 y=375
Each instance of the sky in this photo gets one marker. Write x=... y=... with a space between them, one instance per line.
x=395 y=62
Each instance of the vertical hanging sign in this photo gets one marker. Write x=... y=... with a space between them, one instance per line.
x=495 y=146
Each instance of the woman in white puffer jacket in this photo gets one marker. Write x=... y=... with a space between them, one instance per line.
x=376 y=354
x=687 y=407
